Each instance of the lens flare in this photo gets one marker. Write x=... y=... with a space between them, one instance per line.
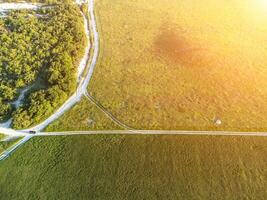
x=262 y=3
x=256 y=10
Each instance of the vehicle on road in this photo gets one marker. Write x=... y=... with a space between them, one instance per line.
x=32 y=132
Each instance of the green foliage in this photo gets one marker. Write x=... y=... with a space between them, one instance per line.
x=48 y=47
x=5 y=110
x=83 y=116
x=6 y=144
x=84 y=8
x=136 y=167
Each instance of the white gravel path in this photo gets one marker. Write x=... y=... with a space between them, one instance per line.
x=18 y=6
x=82 y=87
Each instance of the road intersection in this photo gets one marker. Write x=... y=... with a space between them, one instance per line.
x=91 y=60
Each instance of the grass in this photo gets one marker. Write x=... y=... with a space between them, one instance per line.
x=182 y=64
x=83 y=116
x=146 y=85
x=2 y=136
x=137 y=167
x=6 y=144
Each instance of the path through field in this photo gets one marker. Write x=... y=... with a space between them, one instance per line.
x=90 y=25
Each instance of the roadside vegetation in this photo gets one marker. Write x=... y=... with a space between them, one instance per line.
x=178 y=66
x=137 y=167
x=83 y=116
x=6 y=144
x=1 y=136
x=41 y=1
x=42 y=46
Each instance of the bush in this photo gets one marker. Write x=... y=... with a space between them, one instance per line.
x=47 y=47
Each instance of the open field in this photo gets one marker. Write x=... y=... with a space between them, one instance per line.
x=183 y=64
x=137 y=167
x=163 y=65
x=83 y=116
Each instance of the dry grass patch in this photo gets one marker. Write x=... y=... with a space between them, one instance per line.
x=182 y=64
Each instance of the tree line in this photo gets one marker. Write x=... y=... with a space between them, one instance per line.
x=46 y=44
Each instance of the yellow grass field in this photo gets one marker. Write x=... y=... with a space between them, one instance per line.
x=172 y=64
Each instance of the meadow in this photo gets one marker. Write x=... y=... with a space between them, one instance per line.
x=83 y=116
x=136 y=167
x=162 y=65
x=182 y=64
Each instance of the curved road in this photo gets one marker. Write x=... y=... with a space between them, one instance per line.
x=83 y=83
x=81 y=89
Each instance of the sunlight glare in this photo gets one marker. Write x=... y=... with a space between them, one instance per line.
x=257 y=10
x=262 y=3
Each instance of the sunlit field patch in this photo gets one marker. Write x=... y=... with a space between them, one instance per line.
x=83 y=116
x=183 y=64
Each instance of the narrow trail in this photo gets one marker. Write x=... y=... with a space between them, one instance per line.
x=16 y=104
x=18 y=6
x=153 y=132
x=82 y=90
x=106 y=112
